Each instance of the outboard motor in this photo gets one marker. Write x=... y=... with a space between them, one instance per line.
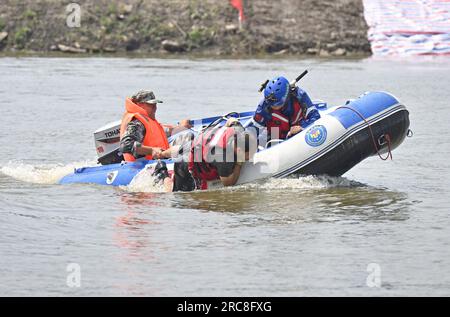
x=107 y=140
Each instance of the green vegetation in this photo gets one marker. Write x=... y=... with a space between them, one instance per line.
x=162 y=30
x=198 y=26
x=134 y=20
x=29 y=14
x=196 y=36
x=21 y=36
x=2 y=24
x=201 y=36
x=107 y=23
x=112 y=9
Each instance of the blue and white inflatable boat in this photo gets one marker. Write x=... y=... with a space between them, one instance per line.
x=375 y=123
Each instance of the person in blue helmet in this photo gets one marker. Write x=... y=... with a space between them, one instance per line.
x=285 y=110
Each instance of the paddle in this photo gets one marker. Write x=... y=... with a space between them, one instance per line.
x=293 y=83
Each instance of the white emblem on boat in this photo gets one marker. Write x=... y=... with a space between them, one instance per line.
x=111 y=177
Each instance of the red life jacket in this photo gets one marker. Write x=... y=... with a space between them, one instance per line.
x=154 y=132
x=284 y=122
x=203 y=146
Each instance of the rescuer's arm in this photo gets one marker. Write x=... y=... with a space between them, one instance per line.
x=142 y=150
x=170 y=129
x=232 y=179
x=170 y=152
x=303 y=97
x=262 y=113
x=183 y=125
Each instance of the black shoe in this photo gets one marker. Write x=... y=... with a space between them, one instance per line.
x=160 y=172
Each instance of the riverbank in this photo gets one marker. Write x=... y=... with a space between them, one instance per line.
x=200 y=28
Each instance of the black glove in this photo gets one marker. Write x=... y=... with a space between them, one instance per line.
x=160 y=172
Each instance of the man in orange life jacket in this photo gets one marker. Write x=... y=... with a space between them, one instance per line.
x=141 y=135
x=284 y=110
x=216 y=154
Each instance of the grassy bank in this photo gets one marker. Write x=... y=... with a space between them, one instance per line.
x=194 y=27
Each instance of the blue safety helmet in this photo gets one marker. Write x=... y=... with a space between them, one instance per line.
x=276 y=91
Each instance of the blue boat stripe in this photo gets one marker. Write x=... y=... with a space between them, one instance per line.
x=368 y=105
x=204 y=121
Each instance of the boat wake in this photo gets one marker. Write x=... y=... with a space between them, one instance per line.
x=40 y=174
x=144 y=182
x=298 y=183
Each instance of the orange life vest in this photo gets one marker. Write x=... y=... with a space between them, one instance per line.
x=154 y=132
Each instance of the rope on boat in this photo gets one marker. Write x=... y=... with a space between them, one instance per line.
x=386 y=136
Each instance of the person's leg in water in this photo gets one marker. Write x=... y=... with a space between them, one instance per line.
x=182 y=179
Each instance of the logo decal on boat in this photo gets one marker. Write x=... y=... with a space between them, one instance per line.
x=316 y=135
x=111 y=177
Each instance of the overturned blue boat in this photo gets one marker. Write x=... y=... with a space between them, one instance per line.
x=373 y=124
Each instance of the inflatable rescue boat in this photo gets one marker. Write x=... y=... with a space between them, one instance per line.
x=373 y=124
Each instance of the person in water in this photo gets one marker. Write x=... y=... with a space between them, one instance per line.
x=215 y=154
x=141 y=135
x=285 y=110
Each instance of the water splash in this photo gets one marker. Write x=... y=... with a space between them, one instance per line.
x=40 y=174
x=298 y=183
x=144 y=182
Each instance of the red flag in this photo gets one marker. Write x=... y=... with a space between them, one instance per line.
x=238 y=5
